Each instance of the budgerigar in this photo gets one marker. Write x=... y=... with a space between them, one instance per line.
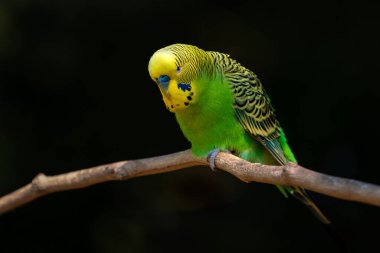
x=221 y=105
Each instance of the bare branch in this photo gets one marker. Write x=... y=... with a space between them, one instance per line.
x=290 y=174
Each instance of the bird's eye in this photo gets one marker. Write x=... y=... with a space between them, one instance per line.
x=164 y=81
x=179 y=69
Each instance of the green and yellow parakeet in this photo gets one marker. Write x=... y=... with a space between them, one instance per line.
x=221 y=105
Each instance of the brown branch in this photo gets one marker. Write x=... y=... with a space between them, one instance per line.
x=290 y=174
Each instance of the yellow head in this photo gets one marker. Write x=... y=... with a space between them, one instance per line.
x=174 y=69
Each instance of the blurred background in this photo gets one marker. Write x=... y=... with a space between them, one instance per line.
x=75 y=93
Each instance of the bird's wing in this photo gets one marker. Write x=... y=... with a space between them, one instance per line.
x=254 y=110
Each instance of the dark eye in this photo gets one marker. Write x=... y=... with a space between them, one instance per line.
x=179 y=69
x=164 y=81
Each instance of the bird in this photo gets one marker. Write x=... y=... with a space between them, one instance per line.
x=220 y=105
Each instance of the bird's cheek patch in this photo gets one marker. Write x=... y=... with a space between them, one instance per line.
x=184 y=86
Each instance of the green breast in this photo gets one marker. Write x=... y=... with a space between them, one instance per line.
x=210 y=123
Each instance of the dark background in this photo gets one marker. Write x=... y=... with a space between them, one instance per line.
x=75 y=93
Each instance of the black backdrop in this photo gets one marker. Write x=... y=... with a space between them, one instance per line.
x=75 y=92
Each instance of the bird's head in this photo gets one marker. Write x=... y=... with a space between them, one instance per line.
x=175 y=69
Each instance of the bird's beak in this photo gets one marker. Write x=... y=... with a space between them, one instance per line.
x=164 y=92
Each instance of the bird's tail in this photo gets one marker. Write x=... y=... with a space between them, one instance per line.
x=300 y=194
x=297 y=192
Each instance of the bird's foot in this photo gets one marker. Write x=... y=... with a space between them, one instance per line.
x=211 y=157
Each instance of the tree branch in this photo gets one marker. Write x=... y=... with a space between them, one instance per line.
x=290 y=174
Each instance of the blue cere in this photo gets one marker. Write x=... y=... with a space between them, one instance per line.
x=184 y=86
x=164 y=81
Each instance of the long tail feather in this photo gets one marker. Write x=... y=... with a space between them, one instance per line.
x=304 y=197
